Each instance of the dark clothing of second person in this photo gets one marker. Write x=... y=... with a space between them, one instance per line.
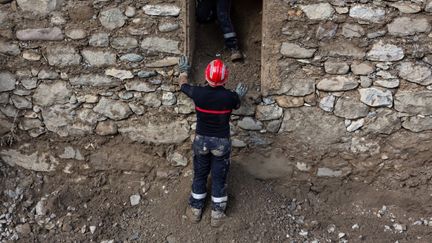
x=213 y=107
x=208 y=10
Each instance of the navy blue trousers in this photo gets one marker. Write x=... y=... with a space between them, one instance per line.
x=208 y=10
x=211 y=155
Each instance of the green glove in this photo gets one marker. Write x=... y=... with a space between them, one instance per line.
x=184 y=66
x=241 y=90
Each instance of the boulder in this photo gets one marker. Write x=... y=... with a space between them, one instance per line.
x=383 y=52
x=112 y=18
x=336 y=67
x=416 y=73
x=113 y=109
x=296 y=51
x=105 y=128
x=319 y=11
x=352 y=30
x=297 y=86
x=36 y=161
x=337 y=83
x=161 y=10
x=155 y=130
x=158 y=44
x=414 y=102
x=40 y=7
x=350 y=108
x=376 y=97
x=141 y=86
x=124 y=43
x=42 y=34
x=7 y=81
x=404 y=26
x=63 y=56
x=385 y=121
x=327 y=103
x=248 y=123
x=417 y=123
x=9 y=48
x=95 y=80
x=367 y=13
x=406 y=7
x=342 y=49
x=268 y=112
x=285 y=101
x=313 y=126
x=362 y=68
x=99 y=40
x=61 y=119
x=48 y=94
x=99 y=58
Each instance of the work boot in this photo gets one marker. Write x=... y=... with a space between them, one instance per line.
x=194 y=214
x=236 y=55
x=217 y=218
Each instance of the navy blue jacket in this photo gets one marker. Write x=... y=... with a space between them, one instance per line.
x=213 y=106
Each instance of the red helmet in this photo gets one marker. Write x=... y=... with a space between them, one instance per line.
x=216 y=73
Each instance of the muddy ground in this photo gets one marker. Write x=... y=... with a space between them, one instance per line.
x=284 y=209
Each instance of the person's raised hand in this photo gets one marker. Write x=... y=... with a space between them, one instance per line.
x=241 y=90
x=184 y=66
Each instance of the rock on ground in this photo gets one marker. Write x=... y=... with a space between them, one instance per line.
x=37 y=161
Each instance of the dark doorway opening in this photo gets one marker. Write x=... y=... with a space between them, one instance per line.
x=209 y=44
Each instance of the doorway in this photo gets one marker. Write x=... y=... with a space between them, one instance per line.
x=209 y=44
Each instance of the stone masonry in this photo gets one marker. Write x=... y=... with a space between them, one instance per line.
x=346 y=83
x=367 y=66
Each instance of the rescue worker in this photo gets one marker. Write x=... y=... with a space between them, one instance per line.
x=208 y=10
x=212 y=144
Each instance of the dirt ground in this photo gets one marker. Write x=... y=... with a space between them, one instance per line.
x=284 y=209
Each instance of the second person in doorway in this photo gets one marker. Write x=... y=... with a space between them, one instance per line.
x=209 y=10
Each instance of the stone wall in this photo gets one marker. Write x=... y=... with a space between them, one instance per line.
x=90 y=68
x=354 y=79
x=346 y=85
